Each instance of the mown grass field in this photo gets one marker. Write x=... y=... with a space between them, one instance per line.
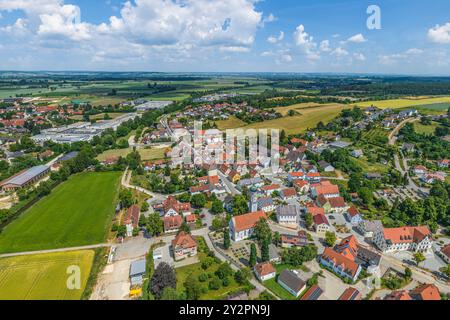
x=146 y=154
x=230 y=123
x=425 y=129
x=404 y=103
x=78 y=212
x=43 y=276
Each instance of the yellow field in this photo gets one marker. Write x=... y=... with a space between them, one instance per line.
x=309 y=116
x=231 y=123
x=403 y=103
x=146 y=154
x=43 y=276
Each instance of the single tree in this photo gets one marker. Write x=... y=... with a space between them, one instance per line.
x=226 y=239
x=252 y=260
x=163 y=277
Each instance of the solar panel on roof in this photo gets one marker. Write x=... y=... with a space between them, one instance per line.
x=28 y=175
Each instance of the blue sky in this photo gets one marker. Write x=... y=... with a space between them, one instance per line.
x=232 y=35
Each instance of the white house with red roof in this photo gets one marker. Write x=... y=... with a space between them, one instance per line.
x=325 y=188
x=264 y=271
x=445 y=163
x=417 y=239
x=321 y=224
x=131 y=220
x=173 y=207
x=183 y=246
x=242 y=227
x=353 y=216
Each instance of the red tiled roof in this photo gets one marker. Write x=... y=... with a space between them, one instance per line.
x=406 y=234
x=316 y=211
x=446 y=250
x=398 y=295
x=348 y=266
x=264 y=269
x=271 y=187
x=350 y=294
x=132 y=216
x=352 y=211
x=184 y=240
x=426 y=292
x=247 y=221
x=299 y=183
x=191 y=218
x=320 y=219
x=337 y=202
x=172 y=203
x=172 y=222
x=327 y=189
x=289 y=192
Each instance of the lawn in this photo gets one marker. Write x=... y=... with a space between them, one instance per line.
x=146 y=153
x=425 y=129
x=282 y=293
x=43 y=276
x=78 y=212
x=196 y=269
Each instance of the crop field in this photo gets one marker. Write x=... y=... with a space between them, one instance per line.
x=230 y=123
x=146 y=154
x=43 y=276
x=78 y=212
x=404 y=103
x=308 y=117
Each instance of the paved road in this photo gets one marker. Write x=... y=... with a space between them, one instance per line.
x=229 y=185
x=94 y=246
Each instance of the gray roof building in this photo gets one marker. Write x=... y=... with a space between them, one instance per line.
x=289 y=210
x=25 y=177
x=290 y=281
x=137 y=268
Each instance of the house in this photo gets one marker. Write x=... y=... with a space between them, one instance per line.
x=398 y=295
x=274 y=257
x=295 y=156
x=321 y=224
x=264 y=271
x=431 y=178
x=340 y=264
x=288 y=216
x=172 y=223
x=291 y=282
x=357 y=153
x=287 y=194
x=408 y=147
x=234 y=176
x=353 y=216
x=425 y=292
x=373 y=175
x=339 y=144
x=293 y=176
x=137 y=272
x=252 y=182
x=313 y=293
x=242 y=227
x=325 y=166
x=313 y=177
x=268 y=190
x=173 y=207
x=183 y=246
x=325 y=188
x=444 y=163
x=300 y=240
x=265 y=204
x=350 y=294
x=417 y=239
x=445 y=253
x=313 y=210
x=419 y=170
x=301 y=186
x=131 y=220
x=332 y=205
x=368 y=228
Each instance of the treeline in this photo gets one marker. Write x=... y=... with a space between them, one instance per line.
x=430 y=211
x=429 y=146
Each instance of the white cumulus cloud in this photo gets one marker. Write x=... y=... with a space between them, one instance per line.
x=357 y=38
x=440 y=34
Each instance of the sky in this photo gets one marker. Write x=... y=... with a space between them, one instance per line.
x=335 y=36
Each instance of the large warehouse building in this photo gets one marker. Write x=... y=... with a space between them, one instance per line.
x=25 y=178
